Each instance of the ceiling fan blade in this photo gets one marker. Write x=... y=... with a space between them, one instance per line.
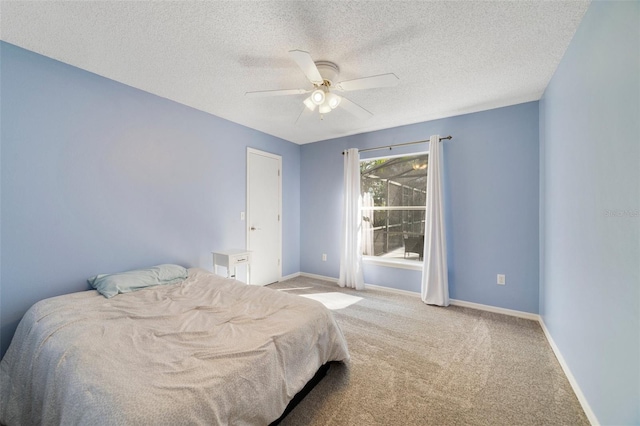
x=306 y=64
x=383 y=80
x=262 y=93
x=355 y=109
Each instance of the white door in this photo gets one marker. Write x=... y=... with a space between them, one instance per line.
x=264 y=203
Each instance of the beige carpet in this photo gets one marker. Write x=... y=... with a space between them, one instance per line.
x=418 y=364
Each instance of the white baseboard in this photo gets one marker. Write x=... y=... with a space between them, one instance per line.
x=318 y=277
x=511 y=312
x=392 y=290
x=290 y=276
x=572 y=380
x=464 y=304
x=495 y=309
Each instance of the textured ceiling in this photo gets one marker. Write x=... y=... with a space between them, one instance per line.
x=451 y=57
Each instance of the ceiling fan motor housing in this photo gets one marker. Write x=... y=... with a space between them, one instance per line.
x=328 y=71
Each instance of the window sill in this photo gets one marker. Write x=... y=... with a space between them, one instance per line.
x=393 y=263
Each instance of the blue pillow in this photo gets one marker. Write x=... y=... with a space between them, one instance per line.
x=125 y=282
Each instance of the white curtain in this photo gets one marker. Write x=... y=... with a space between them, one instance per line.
x=435 y=284
x=367 y=224
x=351 y=250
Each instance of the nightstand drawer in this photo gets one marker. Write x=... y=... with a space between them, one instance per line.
x=235 y=260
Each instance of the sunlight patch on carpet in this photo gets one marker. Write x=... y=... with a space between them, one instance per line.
x=333 y=300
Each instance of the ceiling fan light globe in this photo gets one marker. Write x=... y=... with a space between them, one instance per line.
x=317 y=97
x=333 y=100
x=309 y=104
x=324 y=108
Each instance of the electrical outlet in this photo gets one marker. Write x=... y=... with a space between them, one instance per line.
x=241 y=215
x=501 y=279
x=324 y=257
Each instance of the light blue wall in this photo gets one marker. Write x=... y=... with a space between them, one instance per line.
x=97 y=176
x=590 y=135
x=100 y=177
x=491 y=180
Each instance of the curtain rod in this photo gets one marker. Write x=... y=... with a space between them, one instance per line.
x=400 y=144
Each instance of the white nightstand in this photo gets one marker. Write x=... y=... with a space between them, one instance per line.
x=230 y=259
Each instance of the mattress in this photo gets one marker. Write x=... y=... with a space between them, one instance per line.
x=205 y=351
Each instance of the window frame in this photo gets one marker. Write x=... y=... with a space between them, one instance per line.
x=395 y=262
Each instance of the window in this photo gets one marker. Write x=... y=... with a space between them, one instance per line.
x=393 y=191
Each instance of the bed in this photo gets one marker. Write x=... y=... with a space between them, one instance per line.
x=207 y=350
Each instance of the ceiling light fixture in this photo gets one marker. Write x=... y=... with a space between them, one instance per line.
x=317 y=97
x=309 y=104
x=324 y=108
x=325 y=100
x=333 y=100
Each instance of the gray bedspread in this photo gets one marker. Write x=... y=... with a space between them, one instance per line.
x=206 y=351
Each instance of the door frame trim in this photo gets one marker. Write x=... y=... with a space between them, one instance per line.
x=248 y=206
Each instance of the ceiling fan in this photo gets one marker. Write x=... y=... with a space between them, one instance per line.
x=322 y=75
